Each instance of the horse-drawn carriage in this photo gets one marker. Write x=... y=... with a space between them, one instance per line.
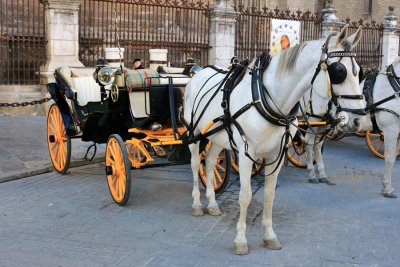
x=131 y=111
x=254 y=115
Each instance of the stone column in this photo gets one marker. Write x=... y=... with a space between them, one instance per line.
x=330 y=23
x=222 y=33
x=390 y=40
x=62 y=36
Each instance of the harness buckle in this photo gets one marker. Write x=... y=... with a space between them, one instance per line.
x=224 y=104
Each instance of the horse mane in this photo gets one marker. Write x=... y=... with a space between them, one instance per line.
x=288 y=58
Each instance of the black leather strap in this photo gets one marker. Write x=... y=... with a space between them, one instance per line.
x=394 y=80
x=260 y=95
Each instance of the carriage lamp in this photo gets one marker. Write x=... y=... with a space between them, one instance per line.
x=106 y=76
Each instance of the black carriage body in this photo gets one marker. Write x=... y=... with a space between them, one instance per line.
x=98 y=120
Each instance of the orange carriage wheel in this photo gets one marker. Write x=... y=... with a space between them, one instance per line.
x=221 y=170
x=257 y=168
x=59 y=143
x=375 y=142
x=118 y=170
x=297 y=160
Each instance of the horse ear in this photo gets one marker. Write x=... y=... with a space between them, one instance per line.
x=355 y=38
x=342 y=35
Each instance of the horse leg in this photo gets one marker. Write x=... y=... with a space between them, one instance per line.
x=390 y=157
x=319 y=162
x=270 y=239
x=197 y=207
x=240 y=246
x=211 y=159
x=308 y=143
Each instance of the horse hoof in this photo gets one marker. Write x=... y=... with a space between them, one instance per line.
x=389 y=195
x=197 y=211
x=326 y=181
x=313 y=181
x=214 y=211
x=273 y=244
x=240 y=249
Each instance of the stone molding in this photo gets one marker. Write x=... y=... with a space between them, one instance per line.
x=390 y=39
x=330 y=22
x=222 y=33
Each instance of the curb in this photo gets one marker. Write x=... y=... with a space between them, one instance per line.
x=46 y=169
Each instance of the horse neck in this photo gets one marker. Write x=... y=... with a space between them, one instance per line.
x=287 y=89
x=396 y=66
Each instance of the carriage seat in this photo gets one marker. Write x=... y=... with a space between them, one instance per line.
x=164 y=69
x=81 y=82
x=177 y=79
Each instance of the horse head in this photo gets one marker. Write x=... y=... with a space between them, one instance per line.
x=335 y=82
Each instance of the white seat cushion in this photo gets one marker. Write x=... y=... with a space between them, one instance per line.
x=87 y=90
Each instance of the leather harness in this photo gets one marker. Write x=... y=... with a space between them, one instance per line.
x=368 y=90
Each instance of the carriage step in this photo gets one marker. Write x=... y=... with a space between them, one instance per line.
x=52 y=139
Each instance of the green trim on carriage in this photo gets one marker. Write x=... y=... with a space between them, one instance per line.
x=144 y=78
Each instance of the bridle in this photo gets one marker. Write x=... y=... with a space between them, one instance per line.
x=337 y=73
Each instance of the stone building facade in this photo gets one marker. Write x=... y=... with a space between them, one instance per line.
x=354 y=9
x=62 y=27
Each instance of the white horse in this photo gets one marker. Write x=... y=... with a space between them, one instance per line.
x=287 y=78
x=388 y=121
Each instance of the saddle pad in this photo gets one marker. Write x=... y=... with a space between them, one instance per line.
x=141 y=78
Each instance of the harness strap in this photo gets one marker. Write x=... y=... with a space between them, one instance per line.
x=394 y=80
x=368 y=89
x=388 y=110
x=194 y=125
x=282 y=152
x=260 y=94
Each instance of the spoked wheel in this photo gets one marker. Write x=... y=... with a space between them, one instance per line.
x=375 y=142
x=59 y=143
x=118 y=170
x=221 y=170
x=300 y=159
x=257 y=168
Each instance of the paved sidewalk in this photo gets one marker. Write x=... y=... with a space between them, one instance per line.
x=24 y=152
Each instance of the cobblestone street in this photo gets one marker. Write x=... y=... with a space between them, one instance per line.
x=53 y=220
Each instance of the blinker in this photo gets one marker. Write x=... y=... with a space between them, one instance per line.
x=337 y=72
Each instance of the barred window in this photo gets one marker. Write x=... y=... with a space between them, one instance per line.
x=367 y=7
